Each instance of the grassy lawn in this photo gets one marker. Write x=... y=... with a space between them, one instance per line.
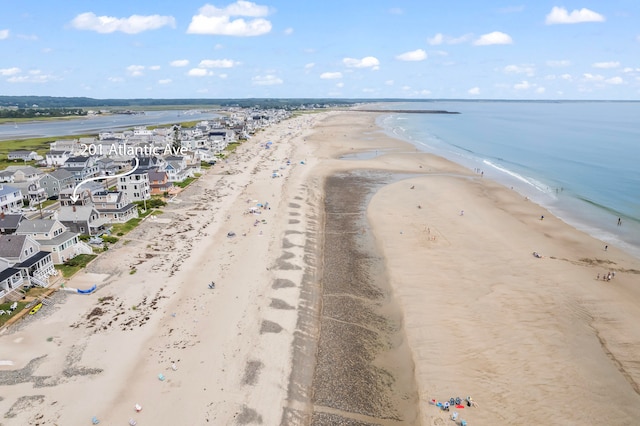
x=47 y=203
x=121 y=229
x=5 y=307
x=231 y=147
x=72 y=266
x=185 y=182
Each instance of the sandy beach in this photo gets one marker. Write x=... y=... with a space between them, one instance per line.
x=370 y=280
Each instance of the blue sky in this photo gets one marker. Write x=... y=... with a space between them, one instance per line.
x=466 y=49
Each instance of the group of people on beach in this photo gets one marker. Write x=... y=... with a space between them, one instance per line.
x=607 y=276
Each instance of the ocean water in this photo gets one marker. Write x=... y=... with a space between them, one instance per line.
x=580 y=160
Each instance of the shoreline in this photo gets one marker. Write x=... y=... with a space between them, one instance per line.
x=597 y=220
x=481 y=316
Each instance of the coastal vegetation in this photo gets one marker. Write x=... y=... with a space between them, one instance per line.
x=71 y=266
x=30 y=113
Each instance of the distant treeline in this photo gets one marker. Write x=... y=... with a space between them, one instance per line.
x=81 y=102
x=40 y=112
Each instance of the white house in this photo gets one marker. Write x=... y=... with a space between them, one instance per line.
x=135 y=185
x=10 y=199
x=23 y=252
x=56 y=157
x=54 y=238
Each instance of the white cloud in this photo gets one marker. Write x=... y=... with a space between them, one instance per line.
x=523 y=85
x=436 y=40
x=366 y=62
x=199 y=72
x=115 y=79
x=154 y=67
x=440 y=38
x=266 y=80
x=164 y=81
x=541 y=90
x=132 y=25
x=216 y=21
x=309 y=66
x=5 y=72
x=4 y=34
x=474 y=91
x=567 y=77
x=179 y=63
x=606 y=65
x=389 y=82
x=614 y=80
x=33 y=76
x=330 y=75
x=340 y=85
x=559 y=64
x=495 y=37
x=592 y=77
x=288 y=31
x=414 y=55
x=217 y=63
x=560 y=15
x=135 y=70
x=529 y=70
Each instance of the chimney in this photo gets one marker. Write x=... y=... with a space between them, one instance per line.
x=74 y=207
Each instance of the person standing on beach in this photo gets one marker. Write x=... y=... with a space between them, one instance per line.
x=619 y=222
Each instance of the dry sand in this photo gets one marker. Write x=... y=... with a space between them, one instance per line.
x=457 y=304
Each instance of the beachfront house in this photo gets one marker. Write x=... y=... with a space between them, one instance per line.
x=54 y=238
x=56 y=181
x=176 y=168
x=10 y=279
x=10 y=199
x=135 y=185
x=23 y=253
x=159 y=183
x=114 y=206
x=9 y=223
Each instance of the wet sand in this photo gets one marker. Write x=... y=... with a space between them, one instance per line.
x=364 y=371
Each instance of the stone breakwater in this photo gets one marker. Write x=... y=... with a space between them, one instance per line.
x=363 y=369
